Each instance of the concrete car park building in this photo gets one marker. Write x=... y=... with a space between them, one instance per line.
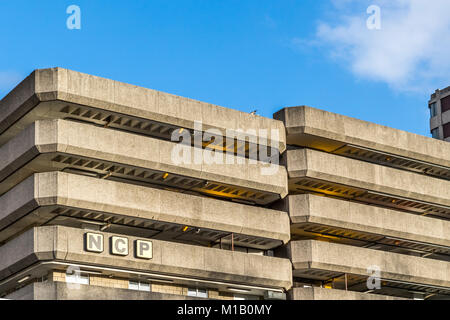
x=365 y=199
x=439 y=106
x=93 y=205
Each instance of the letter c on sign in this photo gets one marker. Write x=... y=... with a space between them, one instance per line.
x=119 y=246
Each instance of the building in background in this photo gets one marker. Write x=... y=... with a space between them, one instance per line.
x=94 y=204
x=439 y=106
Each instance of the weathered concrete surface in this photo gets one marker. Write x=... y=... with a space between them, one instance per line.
x=317 y=293
x=308 y=208
x=321 y=255
x=43 y=190
x=83 y=140
x=55 y=243
x=360 y=174
x=328 y=131
x=70 y=87
x=61 y=291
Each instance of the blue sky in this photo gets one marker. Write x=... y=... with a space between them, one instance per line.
x=247 y=54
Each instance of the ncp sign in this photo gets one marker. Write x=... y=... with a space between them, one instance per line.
x=119 y=246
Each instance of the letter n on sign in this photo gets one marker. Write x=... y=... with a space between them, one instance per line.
x=93 y=242
x=144 y=249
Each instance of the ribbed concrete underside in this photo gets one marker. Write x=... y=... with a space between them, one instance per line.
x=333 y=258
x=64 y=244
x=107 y=98
x=62 y=145
x=56 y=195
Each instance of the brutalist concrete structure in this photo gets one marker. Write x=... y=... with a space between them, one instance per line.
x=369 y=208
x=439 y=106
x=95 y=205
x=112 y=191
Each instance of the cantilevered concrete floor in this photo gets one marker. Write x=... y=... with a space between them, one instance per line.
x=323 y=260
x=327 y=131
x=58 y=93
x=321 y=172
x=60 y=145
x=366 y=223
x=62 y=198
x=55 y=244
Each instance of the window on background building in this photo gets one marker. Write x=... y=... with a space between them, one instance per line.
x=77 y=277
x=446 y=130
x=139 y=286
x=445 y=104
x=201 y=293
x=433 y=109
x=435 y=133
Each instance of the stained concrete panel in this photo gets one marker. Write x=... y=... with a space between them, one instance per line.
x=328 y=167
x=323 y=130
x=89 y=194
x=337 y=258
x=56 y=243
x=68 y=87
x=48 y=137
x=309 y=208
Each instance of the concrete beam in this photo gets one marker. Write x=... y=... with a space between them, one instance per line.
x=56 y=243
x=308 y=163
x=327 y=131
x=312 y=209
x=50 y=190
x=35 y=148
x=73 y=88
x=335 y=258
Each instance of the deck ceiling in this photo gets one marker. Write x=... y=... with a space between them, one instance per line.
x=358 y=283
x=142 y=126
x=131 y=174
x=132 y=124
x=373 y=156
x=382 y=158
x=133 y=226
x=306 y=184
x=310 y=230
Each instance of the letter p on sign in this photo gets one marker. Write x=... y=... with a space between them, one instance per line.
x=144 y=249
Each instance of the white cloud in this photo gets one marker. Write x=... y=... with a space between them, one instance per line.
x=8 y=80
x=410 y=52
